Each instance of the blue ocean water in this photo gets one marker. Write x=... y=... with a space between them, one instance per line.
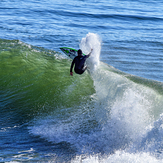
x=113 y=113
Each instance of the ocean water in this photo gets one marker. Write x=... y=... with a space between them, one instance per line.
x=111 y=113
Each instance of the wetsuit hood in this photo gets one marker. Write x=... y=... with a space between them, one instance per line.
x=79 y=52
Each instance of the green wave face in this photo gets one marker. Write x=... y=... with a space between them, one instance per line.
x=34 y=80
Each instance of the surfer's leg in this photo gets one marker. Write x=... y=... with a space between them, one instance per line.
x=79 y=71
x=84 y=68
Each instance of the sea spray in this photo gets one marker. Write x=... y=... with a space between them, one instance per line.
x=91 y=41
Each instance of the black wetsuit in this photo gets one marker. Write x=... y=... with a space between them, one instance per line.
x=79 y=64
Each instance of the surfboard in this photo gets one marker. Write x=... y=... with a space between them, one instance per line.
x=70 y=52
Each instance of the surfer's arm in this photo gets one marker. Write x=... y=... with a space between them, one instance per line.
x=72 y=65
x=89 y=53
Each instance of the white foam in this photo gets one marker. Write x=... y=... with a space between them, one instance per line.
x=153 y=139
x=118 y=157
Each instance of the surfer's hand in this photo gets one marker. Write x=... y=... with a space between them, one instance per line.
x=89 y=53
x=71 y=73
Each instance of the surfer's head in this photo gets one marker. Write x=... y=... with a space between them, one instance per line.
x=79 y=52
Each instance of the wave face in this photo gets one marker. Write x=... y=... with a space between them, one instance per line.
x=102 y=115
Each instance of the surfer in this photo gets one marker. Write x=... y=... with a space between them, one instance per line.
x=79 y=63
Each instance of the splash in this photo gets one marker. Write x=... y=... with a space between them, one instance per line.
x=91 y=41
